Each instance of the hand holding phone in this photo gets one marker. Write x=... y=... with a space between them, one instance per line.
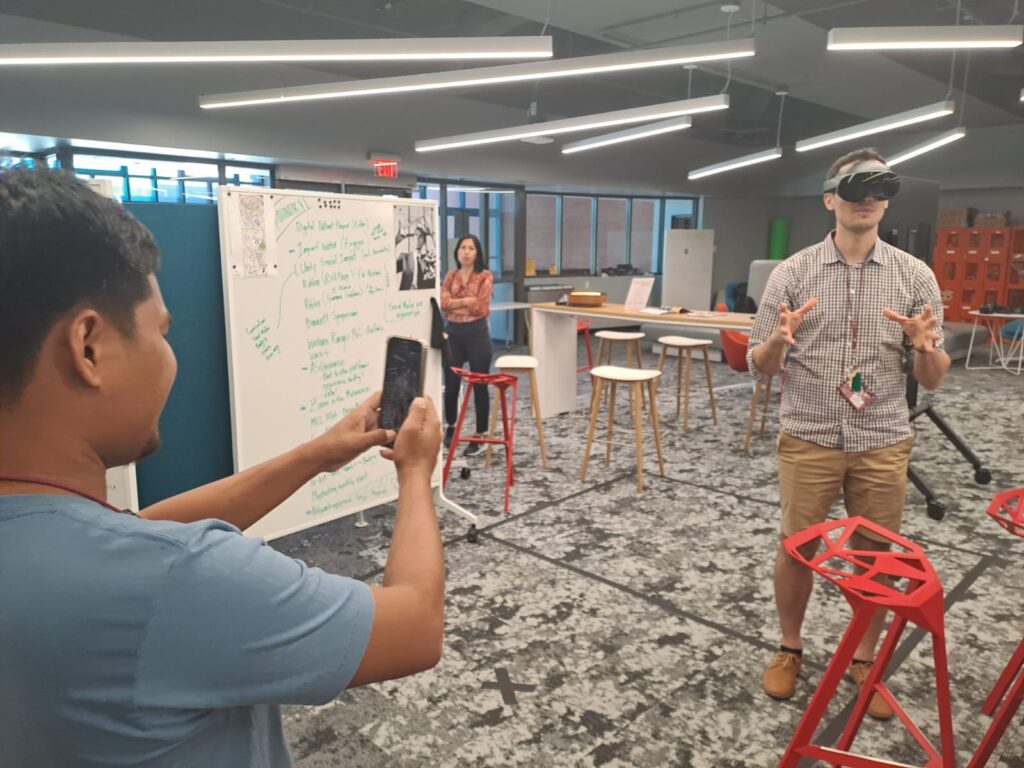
x=403 y=379
x=357 y=431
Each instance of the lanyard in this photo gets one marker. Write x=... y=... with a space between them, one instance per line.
x=51 y=484
x=853 y=307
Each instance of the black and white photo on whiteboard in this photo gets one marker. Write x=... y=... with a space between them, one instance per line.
x=415 y=249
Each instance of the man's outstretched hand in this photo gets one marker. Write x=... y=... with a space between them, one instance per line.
x=790 y=319
x=920 y=329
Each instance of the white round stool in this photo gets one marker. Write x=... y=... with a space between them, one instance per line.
x=514 y=365
x=635 y=379
x=687 y=345
x=634 y=356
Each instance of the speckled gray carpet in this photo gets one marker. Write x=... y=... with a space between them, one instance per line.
x=595 y=626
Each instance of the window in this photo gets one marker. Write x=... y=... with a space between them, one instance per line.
x=501 y=232
x=541 y=232
x=611 y=232
x=253 y=177
x=152 y=181
x=577 y=225
x=643 y=239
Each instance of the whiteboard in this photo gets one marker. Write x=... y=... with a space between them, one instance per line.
x=314 y=284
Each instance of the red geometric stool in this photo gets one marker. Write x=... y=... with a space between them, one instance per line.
x=1007 y=509
x=854 y=572
x=501 y=382
x=583 y=326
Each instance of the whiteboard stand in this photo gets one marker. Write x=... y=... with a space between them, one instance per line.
x=443 y=502
x=361 y=520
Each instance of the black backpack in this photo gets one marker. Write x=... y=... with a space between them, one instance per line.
x=741 y=302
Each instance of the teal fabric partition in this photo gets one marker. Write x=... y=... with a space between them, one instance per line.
x=195 y=428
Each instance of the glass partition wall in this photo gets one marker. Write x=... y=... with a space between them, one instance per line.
x=525 y=234
x=492 y=213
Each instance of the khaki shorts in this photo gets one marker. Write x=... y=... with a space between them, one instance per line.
x=874 y=483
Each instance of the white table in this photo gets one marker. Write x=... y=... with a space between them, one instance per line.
x=511 y=306
x=553 y=342
x=1005 y=352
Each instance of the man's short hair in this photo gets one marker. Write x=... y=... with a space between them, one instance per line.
x=857 y=156
x=63 y=246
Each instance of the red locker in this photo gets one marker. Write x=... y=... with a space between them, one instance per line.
x=1015 y=271
x=948 y=265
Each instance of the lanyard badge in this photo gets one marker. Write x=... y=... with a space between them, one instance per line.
x=853 y=388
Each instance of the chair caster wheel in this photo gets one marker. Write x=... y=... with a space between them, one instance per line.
x=464 y=473
x=471 y=536
x=936 y=510
x=982 y=476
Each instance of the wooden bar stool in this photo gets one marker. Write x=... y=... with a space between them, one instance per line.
x=612 y=375
x=681 y=344
x=513 y=365
x=634 y=356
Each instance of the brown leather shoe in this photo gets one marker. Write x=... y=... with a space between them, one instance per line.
x=780 y=676
x=878 y=707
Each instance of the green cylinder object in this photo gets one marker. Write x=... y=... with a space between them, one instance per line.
x=778 y=239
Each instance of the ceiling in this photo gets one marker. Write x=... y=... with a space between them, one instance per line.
x=827 y=90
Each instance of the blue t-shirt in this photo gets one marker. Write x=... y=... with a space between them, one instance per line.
x=133 y=642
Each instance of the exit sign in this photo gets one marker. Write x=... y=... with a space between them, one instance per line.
x=387 y=169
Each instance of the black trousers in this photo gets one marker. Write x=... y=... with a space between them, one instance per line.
x=468 y=342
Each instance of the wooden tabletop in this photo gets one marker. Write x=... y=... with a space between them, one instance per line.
x=729 y=320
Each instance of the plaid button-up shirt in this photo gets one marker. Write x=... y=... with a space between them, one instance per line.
x=812 y=407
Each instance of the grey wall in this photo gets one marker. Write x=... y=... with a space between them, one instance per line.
x=741 y=224
x=741 y=230
x=987 y=201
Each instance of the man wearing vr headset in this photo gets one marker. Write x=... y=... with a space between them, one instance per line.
x=842 y=317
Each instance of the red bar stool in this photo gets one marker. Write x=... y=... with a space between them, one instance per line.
x=513 y=365
x=502 y=382
x=583 y=326
x=855 y=573
x=1007 y=509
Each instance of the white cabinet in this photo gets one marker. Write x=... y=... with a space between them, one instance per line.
x=686 y=268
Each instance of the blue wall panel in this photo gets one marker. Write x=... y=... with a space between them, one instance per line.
x=195 y=428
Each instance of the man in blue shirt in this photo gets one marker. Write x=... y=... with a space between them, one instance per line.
x=167 y=639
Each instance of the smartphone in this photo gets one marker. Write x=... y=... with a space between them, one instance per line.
x=404 y=365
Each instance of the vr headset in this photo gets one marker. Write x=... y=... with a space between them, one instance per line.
x=857 y=185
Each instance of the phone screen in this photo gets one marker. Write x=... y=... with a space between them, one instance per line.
x=403 y=380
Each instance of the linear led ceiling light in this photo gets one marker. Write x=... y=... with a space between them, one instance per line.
x=939 y=141
x=924 y=38
x=1022 y=94
x=892 y=122
x=508 y=73
x=752 y=159
x=629 y=134
x=586 y=122
x=739 y=162
x=391 y=49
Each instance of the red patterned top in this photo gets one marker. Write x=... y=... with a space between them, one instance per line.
x=478 y=289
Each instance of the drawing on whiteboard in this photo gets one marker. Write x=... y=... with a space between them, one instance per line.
x=416 y=246
x=255 y=261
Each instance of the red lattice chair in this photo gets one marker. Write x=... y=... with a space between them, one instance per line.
x=502 y=382
x=1007 y=509
x=857 y=572
x=734 y=349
